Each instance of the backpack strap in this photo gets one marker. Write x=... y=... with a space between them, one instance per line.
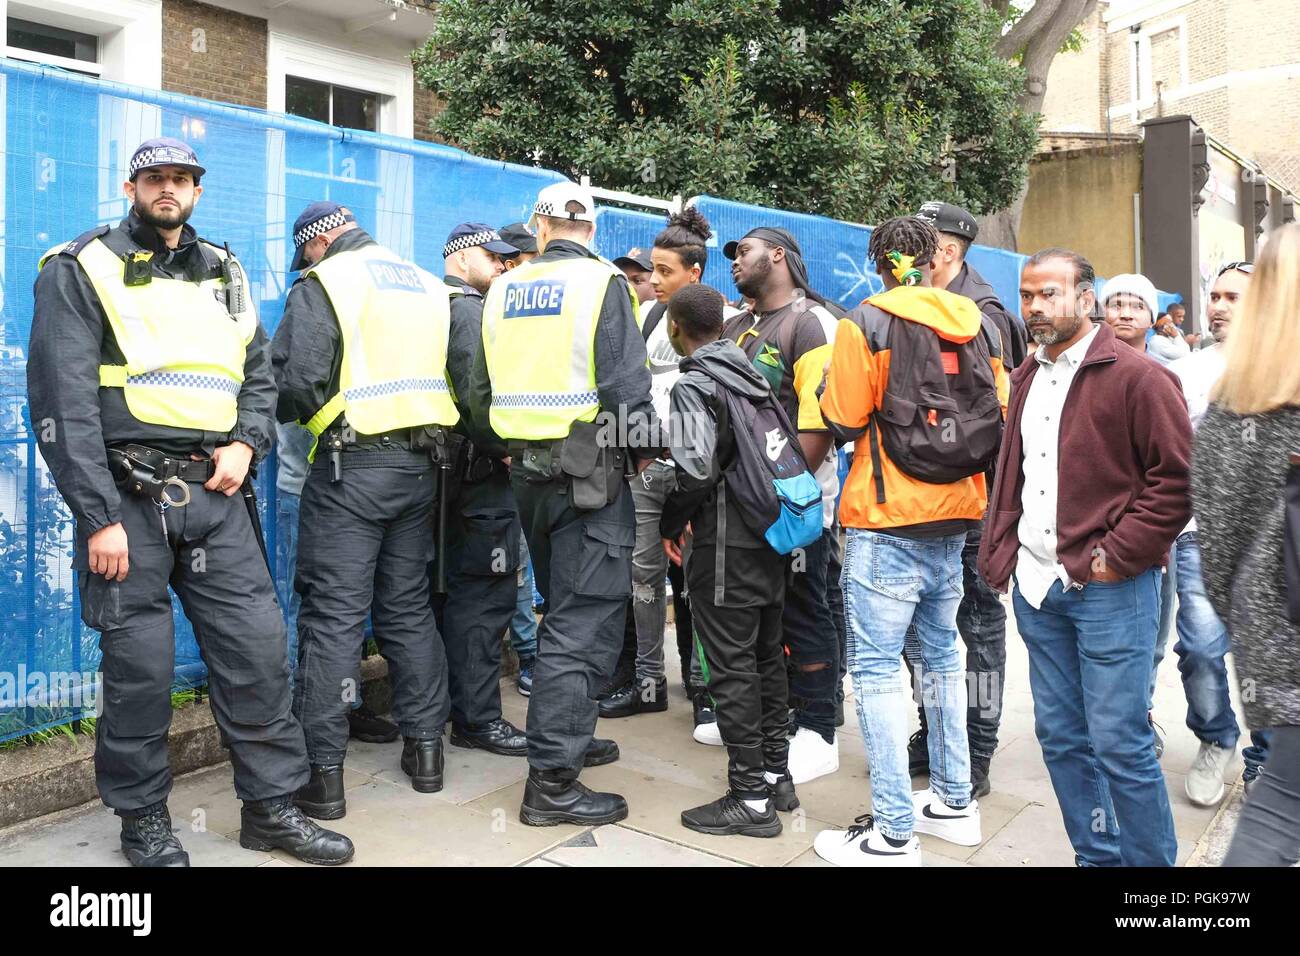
x=876 y=474
x=720 y=547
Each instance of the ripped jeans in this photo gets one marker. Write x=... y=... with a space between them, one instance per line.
x=650 y=568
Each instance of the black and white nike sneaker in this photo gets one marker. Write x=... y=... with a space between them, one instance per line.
x=936 y=818
x=863 y=845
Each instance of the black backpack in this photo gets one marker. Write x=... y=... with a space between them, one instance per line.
x=940 y=419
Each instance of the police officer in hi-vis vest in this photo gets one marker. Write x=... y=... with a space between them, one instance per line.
x=360 y=359
x=149 y=380
x=560 y=346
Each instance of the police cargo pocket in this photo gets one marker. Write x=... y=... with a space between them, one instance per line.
x=100 y=601
x=491 y=543
x=605 y=562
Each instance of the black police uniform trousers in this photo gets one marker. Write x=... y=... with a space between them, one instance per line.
x=364 y=546
x=743 y=658
x=482 y=556
x=212 y=560
x=583 y=564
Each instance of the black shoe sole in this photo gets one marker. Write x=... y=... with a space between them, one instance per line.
x=551 y=818
x=469 y=743
x=334 y=810
x=180 y=859
x=590 y=761
x=766 y=830
x=424 y=784
x=257 y=843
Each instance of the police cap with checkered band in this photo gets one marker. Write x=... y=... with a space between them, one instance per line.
x=164 y=151
x=470 y=234
x=552 y=200
x=319 y=217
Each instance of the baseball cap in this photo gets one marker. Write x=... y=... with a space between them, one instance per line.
x=470 y=234
x=516 y=234
x=552 y=200
x=163 y=151
x=951 y=219
x=1132 y=284
x=636 y=256
x=321 y=216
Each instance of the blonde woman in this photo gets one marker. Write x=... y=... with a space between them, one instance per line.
x=1239 y=471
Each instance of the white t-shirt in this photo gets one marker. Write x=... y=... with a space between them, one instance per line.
x=1198 y=373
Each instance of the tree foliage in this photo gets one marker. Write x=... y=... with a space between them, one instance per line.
x=857 y=110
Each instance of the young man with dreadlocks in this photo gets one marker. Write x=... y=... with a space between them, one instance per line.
x=916 y=373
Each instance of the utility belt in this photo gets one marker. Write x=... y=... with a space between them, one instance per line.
x=440 y=443
x=595 y=473
x=153 y=474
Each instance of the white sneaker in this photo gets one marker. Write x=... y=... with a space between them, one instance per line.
x=936 y=818
x=811 y=756
x=1204 y=785
x=863 y=845
x=708 y=734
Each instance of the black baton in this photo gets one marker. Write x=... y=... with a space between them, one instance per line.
x=250 y=502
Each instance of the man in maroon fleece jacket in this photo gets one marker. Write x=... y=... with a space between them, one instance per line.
x=1091 y=490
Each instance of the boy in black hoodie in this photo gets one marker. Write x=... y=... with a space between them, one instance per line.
x=734 y=580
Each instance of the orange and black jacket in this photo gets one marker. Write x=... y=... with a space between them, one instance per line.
x=855 y=386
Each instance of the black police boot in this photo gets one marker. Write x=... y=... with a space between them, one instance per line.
x=783 y=795
x=498 y=736
x=422 y=762
x=636 y=697
x=918 y=754
x=600 y=752
x=147 y=839
x=727 y=816
x=322 y=796
x=555 y=796
x=369 y=727
x=979 y=777
x=279 y=824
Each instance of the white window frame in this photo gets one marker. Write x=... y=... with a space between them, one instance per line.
x=394 y=82
x=129 y=31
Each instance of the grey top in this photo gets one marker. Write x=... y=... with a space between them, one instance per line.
x=1239 y=472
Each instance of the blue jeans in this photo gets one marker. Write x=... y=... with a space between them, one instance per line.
x=1202 y=645
x=1089 y=666
x=523 y=626
x=890 y=583
x=1256 y=754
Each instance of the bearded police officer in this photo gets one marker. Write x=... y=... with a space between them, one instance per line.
x=151 y=392
x=474 y=574
x=561 y=345
x=360 y=360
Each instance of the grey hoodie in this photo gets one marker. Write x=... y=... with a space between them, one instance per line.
x=698 y=450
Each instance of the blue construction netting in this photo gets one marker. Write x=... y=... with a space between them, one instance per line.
x=66 y=143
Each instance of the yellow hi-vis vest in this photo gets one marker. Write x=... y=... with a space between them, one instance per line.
x=394 y=319
x=539 y=336
x=184 y=352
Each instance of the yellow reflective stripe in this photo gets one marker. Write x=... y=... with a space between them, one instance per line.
x=112 y=376
x=322 y=419
x=143 y=353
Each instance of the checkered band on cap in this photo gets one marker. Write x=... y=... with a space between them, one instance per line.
x=324 y=224
x=470 y=241
x=160 y=156
x=544 y=209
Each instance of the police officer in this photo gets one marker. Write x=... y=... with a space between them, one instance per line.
x=360 y=360
x=475 y=591
x=561 y=345
x=150 y=389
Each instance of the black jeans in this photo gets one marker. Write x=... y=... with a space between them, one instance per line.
x=982 y=622
x=814 y=643
x=1268 y=833
x=835 y=602
x=743 y=660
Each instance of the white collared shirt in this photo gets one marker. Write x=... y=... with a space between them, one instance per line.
x=1040 y=431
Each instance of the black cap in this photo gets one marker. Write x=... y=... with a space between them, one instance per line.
x=470 y=234
x=516 y=234
x=636 y=256
x=769 y=234
x=164 y=151
x=321 y=216
x=951 y=219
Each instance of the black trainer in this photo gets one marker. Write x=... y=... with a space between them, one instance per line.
x=422 y=762
x=148 y=841
x=636 y=697
x=600 y=752
x=555 y=796
x=979 y=778
x=370 y=727
x=498 y=737
x=727 y=816
x=783 y=795
x=279 y=824
x=322 y=796
x=918 y=754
